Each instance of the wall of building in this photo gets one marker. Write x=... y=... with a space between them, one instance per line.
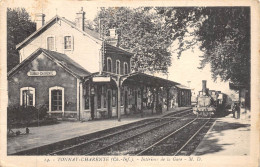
x=43 y=83
x=114 y=57
x=85 y=50
x=106 y=88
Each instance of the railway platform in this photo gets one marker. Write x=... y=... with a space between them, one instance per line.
x=227 y=137
x=44 y=135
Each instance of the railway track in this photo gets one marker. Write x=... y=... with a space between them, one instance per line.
x=177 y=113
x=103 y=151
x=181 y=141
x=65 y=147
x=182 y=137
x=97 y=145
x=136 y=144
x=194 y=141
x=51 y=149
x=46 y=149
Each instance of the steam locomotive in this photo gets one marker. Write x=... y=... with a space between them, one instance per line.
x=209 y=102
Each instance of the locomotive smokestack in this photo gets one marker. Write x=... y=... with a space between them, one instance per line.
x=204 y=86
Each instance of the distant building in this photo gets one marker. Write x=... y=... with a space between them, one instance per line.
x=184 y=96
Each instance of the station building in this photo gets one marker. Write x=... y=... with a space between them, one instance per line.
x=77 y=74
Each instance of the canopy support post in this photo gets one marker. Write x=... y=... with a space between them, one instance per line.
x=142 y=106
x=157 y=99
x=168 y=89
x=118 y=99
x=152 y=89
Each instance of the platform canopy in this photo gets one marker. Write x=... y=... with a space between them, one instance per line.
x=139 y=78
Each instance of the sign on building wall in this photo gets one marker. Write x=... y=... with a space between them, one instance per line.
x=41 y=73
x=101 y=79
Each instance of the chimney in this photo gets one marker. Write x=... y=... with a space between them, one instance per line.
x=204 y=86
x=113 y=37
x=40 y=19
x=80 y=19
x=112 y=33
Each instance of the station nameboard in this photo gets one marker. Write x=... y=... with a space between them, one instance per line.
x=41 y=73
x=101 y=79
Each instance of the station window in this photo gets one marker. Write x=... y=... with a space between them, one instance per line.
x=68 y=42
x=117 y=67
x=125 y=68
x=27 y=96
x=51 y=43
x=109 y=64
x=56 y=98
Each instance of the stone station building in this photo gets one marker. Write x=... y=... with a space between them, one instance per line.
x=77 y=74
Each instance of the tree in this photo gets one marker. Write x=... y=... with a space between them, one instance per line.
x=223 y=34
x=141 y=32
x=19 y=26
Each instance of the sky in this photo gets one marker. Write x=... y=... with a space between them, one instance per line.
x=182 y=70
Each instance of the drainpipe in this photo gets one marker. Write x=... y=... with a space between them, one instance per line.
x=119 y=99
x=80 y=98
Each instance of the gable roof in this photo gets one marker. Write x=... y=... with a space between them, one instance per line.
x=45 y=26
x=141 y=78
x=113 y=49
x=63 y=60
x=90 y=33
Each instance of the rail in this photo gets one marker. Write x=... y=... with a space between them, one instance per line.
x=114 y=134
x=166 y=137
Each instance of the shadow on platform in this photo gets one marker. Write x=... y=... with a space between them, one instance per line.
x=217 y=140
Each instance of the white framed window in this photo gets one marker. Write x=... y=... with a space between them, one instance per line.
x=27 y=96
x=109 y=64
x=68 y=42
x=50 y=43
x=56 y=98
x=117 y=67
x=125 y=68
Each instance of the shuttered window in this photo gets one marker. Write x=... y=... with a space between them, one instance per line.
x=68 y=42
x=50 y=43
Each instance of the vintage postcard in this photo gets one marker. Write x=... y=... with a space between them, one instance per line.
x=129 y=83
